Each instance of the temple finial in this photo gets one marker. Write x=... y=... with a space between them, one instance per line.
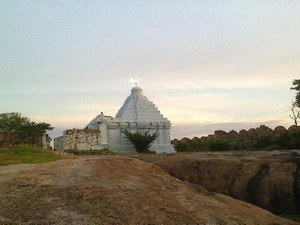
x=134 y=80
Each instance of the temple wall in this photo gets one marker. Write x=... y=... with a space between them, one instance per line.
x=113 y=138
x=118 y=142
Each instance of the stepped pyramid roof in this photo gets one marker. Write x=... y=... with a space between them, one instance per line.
x=137 y=107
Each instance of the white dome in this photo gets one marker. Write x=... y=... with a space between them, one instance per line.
x=137 y=90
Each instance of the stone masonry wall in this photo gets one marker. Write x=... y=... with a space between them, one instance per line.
x=245 y=139
x=11 y=139
x=78 y=139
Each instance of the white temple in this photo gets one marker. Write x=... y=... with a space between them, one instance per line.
x=136 y=114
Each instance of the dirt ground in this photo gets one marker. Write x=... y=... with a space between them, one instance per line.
x=115 y=190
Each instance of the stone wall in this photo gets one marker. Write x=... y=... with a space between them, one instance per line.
x=245 y=139
x=78 y=139
x=11 y=139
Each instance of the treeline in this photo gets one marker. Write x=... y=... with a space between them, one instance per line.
x=16 y=130
x=261 y=138
x=15 y=122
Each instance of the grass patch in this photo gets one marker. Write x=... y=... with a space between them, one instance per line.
x=27 y=154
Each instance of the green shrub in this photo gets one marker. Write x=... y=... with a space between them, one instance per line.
x=294 y=217
x=272 y=147
x=294 y=140
x=181 y=147
x=196 y=146
x=218 y=146
x=141 y=140
x=283 y=140
x=263 y=142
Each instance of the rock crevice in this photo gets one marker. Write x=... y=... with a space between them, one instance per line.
x=270 y=180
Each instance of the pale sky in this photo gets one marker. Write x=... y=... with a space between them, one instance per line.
x=207 y=65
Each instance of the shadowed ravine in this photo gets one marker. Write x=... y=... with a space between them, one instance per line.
x=270 y=180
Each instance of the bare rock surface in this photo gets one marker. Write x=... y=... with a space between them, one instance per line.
x=115 y=190
x=270 y=180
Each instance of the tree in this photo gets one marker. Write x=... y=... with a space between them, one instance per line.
x=141 y=140
x=12 y=121
x=296 y=104
x=181 y=147
x=218 y=145
x=16 y=122
x=296 y=86
x=295 y=114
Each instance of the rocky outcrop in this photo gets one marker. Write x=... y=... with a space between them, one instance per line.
x=115 y=190
x=270 y=180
